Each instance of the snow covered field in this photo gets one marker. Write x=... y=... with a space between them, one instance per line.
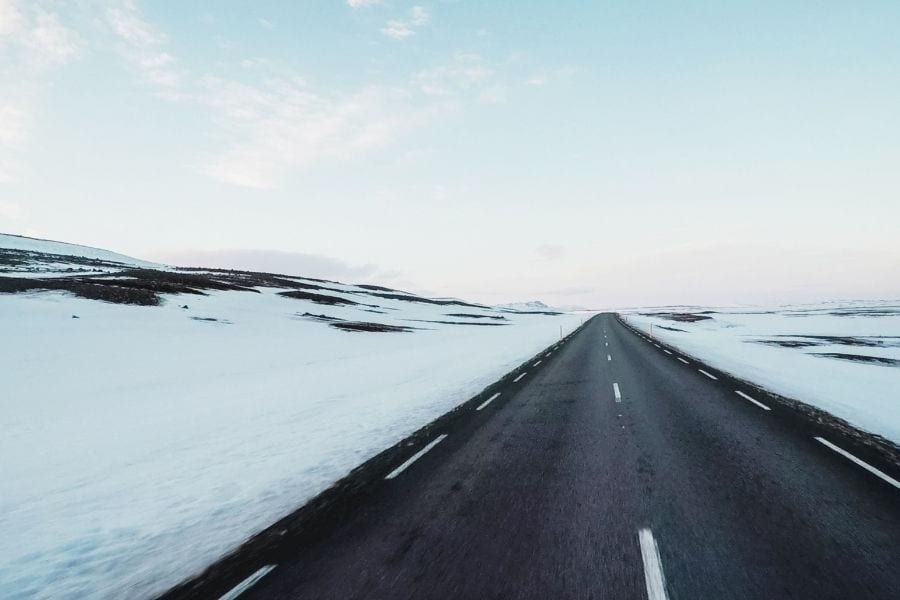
x=140 y=443
x=841 y=357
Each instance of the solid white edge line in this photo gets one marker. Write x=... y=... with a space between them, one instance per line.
x=617 y=392
x=416 y=456
x=520 y=376
x=536 y=364
x=753 y=400
x=666 y=351
x=653 y=572
x=683 y=360
x=488 y=401
x=710 y=375
x=247 y=583
x=859 y=462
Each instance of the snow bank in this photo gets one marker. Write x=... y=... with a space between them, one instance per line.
x=786 y=350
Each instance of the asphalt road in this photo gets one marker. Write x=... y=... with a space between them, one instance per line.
x=680 y=489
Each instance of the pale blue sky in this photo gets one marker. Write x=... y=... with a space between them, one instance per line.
x=592 y=153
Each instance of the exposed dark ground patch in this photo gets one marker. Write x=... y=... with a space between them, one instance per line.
x=879 y=312
x=318 y=298
x=420 y=299
x=370 y=327
x=83 y=289
x=471 y=316
x=528 y=312
x=682 y=317
x=855 y=311
x=786 y=343
x=129 y=286
x=321 y=318
x=806 y=341
x=878 y=360
x=475 y=323
x=669 y=328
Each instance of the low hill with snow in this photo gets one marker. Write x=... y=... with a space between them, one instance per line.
x=48 y=256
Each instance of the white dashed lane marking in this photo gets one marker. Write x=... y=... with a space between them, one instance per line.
x=754 y=401
x=416 y=456
x=488 y=401
x=654 y=578
x=860 y=462
x=248 y=583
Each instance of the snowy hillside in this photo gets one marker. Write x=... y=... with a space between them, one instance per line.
x=841 y=357
x=153 y=418
x=45 y=256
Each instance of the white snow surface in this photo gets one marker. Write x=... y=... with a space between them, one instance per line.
x=138 y=445
x=866 y=395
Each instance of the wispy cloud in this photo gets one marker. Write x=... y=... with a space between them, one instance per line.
x=38 y=34
x=127 y=22
x=142 y=45
x=49 y=41
x=402 y=29
x=282 y=125
x=418 y=16
x=33 y=40
x=363 y=3
x=265 y=127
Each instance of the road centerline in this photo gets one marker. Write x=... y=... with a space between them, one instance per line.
x=654 y=578
x=617 y=393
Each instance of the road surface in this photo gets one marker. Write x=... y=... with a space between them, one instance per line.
x=612 y=469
